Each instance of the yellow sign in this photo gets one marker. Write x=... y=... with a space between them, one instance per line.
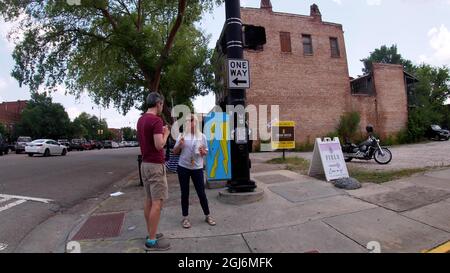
x=283 y=135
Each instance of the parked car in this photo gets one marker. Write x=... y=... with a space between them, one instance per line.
x=4 y=148
x=22 y=141
x=437 y=133
x=76 y=145
x=115 y=145
x=123 y=144
x=65 y=142
x=45 y=147
x=107 y=144
x=87 y=145
x=97 y=144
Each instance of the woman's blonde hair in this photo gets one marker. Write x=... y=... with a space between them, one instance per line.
x=187 y=129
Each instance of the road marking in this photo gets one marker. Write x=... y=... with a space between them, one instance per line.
x=444 y=248
x=41 y=200
x=13 y=204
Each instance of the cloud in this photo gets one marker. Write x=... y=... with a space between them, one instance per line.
x=440 y=44
x=3 y=84
x=374 y=2
x=73 y=112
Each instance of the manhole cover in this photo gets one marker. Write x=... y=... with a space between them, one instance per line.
x=101 y=226
x=274 y=178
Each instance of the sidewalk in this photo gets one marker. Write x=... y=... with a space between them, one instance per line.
x=297 y=214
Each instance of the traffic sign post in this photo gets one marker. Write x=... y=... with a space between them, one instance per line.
x=238 y=74
x=237 y=83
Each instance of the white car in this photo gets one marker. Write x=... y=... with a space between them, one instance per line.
x=45 y=147
x=115 y=145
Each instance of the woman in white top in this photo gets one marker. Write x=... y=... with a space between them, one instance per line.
x=192 y=147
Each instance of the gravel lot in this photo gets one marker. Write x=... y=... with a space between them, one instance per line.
x=430 y=154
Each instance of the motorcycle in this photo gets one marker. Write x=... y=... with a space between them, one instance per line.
x=368 y=150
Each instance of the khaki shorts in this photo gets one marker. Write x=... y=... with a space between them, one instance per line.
x=155 y=181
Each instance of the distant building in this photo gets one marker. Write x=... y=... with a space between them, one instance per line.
x=117 y=134
x=303 y=68
x=11 y=113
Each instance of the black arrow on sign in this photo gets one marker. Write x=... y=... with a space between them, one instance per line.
x=237 y=81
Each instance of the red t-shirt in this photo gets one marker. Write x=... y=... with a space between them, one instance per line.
x=147 y=126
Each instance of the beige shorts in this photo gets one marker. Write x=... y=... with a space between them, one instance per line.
x=155 y=181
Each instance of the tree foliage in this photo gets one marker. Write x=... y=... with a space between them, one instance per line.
x=386 y=55
x=431 y=92
x=129 y=134
x=42 y=118
x=116 y=50
x=90 y=127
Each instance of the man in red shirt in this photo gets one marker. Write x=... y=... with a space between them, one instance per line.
x=152 y=139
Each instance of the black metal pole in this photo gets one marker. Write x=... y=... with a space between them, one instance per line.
x=240 y=181
x=141 y=183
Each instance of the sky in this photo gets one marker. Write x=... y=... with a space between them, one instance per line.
x=420 y=29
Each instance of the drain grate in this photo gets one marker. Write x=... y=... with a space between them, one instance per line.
x=101 y=226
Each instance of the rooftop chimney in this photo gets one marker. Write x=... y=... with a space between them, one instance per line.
x=266 y=4
x=315 y=12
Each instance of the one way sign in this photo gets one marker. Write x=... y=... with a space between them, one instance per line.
x=238 y=74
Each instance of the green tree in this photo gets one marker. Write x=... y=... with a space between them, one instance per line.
x=89 y=126
x=431 y=92
x=129 y=133
x=117 y=50
x=42 y=118
x=387 y=55
x=2 y=129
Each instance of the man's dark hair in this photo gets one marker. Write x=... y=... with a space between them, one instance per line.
x=154 y=98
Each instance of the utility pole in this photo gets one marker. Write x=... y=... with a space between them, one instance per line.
x=240 y=162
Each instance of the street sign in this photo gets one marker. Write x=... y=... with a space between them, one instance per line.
x=238 y=74
x=283 y=135
x=328 y=159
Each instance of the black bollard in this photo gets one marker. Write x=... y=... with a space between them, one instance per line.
x=139 y=167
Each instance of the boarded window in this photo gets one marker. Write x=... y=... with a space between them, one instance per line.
x=307 y=44
x=285 y=40
x=335 y=53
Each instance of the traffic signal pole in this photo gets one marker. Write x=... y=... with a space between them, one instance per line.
x=240 y=162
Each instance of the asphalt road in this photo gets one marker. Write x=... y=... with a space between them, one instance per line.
x=66 y=180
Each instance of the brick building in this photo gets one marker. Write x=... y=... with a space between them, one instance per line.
x=117 y=134
x=303 y=68
x=10 y=113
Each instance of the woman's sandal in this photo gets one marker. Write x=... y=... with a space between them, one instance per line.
x=210 y=221
x=186 y=224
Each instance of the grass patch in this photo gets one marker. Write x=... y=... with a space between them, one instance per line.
x=301 y=165
x=379 y=177
x=296 y=164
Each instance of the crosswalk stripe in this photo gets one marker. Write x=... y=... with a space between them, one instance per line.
x=13 y=204
x=42 y=200
x=4 y=200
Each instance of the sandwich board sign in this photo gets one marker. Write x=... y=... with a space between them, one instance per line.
x=328 y=159
x=238 y=74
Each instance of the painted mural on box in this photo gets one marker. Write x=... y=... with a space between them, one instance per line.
x=217 y=131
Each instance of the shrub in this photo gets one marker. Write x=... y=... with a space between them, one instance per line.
x=348 y=126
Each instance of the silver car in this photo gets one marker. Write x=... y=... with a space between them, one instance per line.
x=22 y=141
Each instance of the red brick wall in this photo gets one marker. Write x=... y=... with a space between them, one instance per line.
x=311 y=90
x=10 y=112
x=392 y=101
